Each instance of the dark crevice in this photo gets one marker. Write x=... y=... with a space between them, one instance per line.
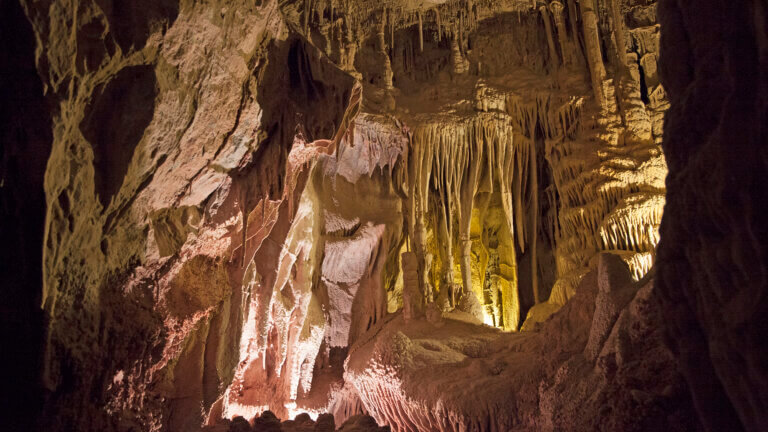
x=25 y=145
x=131 y=23
x=643 y=87
x=114 y=123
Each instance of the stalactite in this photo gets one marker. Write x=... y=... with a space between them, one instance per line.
x=518 y=207
x=332 y=21
x=574 y=24
x=534 y=220
x=392 y=34
x=468 y=191
x=558 y=12
x=618 y=34
x=553 y=58
x=439 y=30
x=470 y=16
x=382 y=48
x=421 y=34
x=351 y=50
x=592 y=42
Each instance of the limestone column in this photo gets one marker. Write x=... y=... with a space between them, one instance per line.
x=325 y=32
x=592 y=43
x=421 y=34
x=351 y=53
x=468 y=191
x=420 y=243
x=558 y=12
x=618 y=35
x=574 y=23
x=457 y=60
x=534 y=220
x=382 y=48
x=413 y=303
x=445 y=233
x=466 y=260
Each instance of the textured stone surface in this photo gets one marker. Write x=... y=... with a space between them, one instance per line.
x=416 y=377
x=712 y=265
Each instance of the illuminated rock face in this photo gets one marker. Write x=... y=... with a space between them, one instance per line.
x=599 y=364
x=315 y=207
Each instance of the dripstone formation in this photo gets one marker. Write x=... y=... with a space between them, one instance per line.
x=357 y=215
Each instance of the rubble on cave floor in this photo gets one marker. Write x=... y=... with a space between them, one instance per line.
x=268 y=422
x=597 y=364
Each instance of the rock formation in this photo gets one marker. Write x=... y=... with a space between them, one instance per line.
x=357 y=214
x=712 y=266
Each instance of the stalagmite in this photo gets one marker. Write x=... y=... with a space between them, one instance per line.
x=592 y=43
x=413 y=299
x=445 y=233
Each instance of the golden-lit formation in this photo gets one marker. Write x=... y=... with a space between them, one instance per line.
x=481 y=184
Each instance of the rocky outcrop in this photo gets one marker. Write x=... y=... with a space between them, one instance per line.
x=171 y=130
x=712 y=265
x=603 y=349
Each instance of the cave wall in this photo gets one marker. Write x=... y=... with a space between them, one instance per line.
x=25 y=144
x=329 y=283
x=225 y=209
x=711 y=266
x=162 y=140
